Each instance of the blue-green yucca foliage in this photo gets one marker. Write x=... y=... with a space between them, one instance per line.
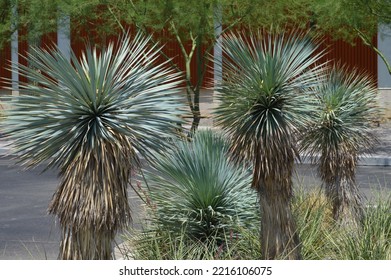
x=265 y=98
x=94 y=119
x=346 y=108
x=198 y=190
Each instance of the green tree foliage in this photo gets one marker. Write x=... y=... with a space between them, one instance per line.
x=350 y=19
x=346 y=19
x=35 y=17
x=5 y=22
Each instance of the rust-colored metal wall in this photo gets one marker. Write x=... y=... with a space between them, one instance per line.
x=170 y=48
x=46 y=42
x=353 y=56
x=5 y=74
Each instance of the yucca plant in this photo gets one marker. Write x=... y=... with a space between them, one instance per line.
x=199 y=191
x=341 y=130
x=262 y=104
x=94 y=120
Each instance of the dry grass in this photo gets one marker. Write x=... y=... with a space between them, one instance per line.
x=320 y=235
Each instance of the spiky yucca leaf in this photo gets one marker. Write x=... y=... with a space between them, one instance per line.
x=1 y=112
x=93 y=119
x=263 y=101
x=198 y=190
x=341 y=129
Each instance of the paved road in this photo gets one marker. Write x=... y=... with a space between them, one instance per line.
x=372 y=180
x=27 y=232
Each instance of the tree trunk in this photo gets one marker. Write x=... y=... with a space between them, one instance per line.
x=278 y=231
x=272 y=178
x=196 y=113
x=346 y=201
x=91 y=201
x=86 y=244
x=196 y=110
x=341 y=189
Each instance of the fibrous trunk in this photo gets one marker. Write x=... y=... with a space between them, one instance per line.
x=87 y=244
x=272 y=180
x=341 y=189
x=346 y=201
x=92 y=202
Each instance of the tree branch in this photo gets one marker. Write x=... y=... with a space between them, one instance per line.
x=116 y=19
x=368 y=42
x=178 y=38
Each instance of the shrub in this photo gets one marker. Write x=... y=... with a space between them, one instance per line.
x=197 y=189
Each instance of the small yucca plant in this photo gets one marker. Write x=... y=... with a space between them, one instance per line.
x=93 y=119
x=341 y=130
x=199 y=191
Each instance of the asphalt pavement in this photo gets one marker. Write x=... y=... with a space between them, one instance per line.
x=26 y=231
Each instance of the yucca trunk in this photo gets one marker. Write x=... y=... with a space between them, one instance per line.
x=338 y=175
x=92 y=202
x=87 y=244
x=279 y=237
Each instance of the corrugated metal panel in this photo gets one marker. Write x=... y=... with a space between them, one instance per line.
x=46 y=42
x=170 y=47
x=5 y=57
x=354 y=56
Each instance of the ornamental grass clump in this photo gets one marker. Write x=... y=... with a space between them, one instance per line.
x=315 y=223
x=321 y=237
x=371 y=240
x=93 y=119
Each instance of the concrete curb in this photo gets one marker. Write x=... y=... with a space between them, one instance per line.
x=371 y=160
